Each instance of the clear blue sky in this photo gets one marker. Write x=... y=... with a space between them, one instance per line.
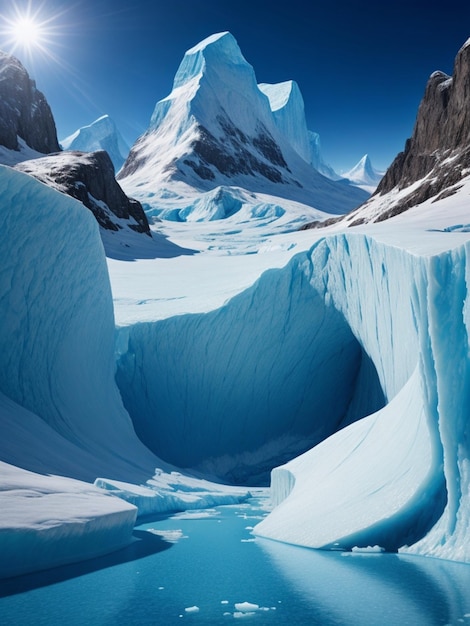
x=361 y=66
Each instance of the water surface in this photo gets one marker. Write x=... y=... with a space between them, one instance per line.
x=208 y=562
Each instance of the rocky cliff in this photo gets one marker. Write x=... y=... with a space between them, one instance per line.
x=439 y=149
x=24 y=111
x=436 y=158
x=89 y=177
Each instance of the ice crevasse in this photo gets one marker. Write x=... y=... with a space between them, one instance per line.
x=341 y=324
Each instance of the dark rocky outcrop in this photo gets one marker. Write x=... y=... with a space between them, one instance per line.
x=231 y=153
x=89 y=177
x=440 y=143
x=24 y=111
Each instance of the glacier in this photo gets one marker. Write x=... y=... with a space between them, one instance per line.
x=334 y=360
x=394 y=470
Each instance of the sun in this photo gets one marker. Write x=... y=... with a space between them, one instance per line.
x=27 y=32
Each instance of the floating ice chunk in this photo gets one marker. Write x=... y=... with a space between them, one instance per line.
x=246 y=607
x=239 y=614
x=224 y=602
x=368 y=550
x=247 y=540
x=192 y=609
x=196 y=514
x=172 y=536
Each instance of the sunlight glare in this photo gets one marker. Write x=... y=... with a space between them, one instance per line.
x=26 y=32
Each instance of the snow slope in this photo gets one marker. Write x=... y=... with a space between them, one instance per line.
x=102 y=134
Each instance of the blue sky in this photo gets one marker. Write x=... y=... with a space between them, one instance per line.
x=361 y=66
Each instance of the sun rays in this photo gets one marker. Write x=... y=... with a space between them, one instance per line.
x=30 y=31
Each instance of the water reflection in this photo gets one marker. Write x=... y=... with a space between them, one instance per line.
x=371 y=589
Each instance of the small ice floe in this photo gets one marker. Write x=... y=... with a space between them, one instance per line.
x=368 y=550
x=224 y=602
x=172 y=536
x=249 y=609
x=248 y=540
x=160 y=588
x=206 y=513
x=245 y=607
x=192 y=609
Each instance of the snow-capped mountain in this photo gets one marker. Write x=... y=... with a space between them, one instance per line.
x=102 y=134
x=28 y=141
x=216 y=128
x=27 y=127
x=364 y=175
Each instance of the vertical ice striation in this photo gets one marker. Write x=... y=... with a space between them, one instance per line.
x=57 y=331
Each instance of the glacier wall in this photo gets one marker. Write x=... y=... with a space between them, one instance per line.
x=302 y=356
x=238 y=390
x=410 y=313
x=57 y=331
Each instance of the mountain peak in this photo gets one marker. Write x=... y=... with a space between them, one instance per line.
x=442 y=130
x=363 y=174
x=102 y=134
x=218 y=49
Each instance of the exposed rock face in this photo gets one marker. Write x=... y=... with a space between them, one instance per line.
x=440 y=144
x=24 y=111
x=89 y=177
